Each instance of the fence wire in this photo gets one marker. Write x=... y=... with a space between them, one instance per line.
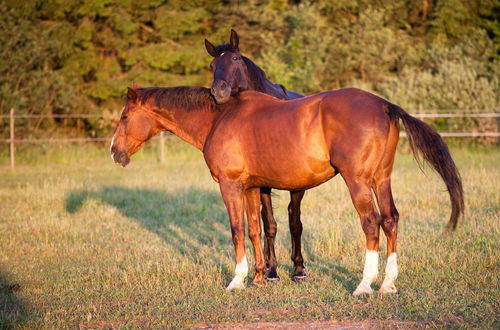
x=421 y=115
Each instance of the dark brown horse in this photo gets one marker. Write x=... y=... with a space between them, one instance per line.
x=256 y=140
x=236 y=73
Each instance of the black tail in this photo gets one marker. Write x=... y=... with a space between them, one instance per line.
x=426 y=142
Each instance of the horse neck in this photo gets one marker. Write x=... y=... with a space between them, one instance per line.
x=267 y=87
x=192 y=126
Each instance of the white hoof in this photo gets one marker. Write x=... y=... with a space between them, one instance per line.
x=235 y=284
x=362 y=289
x=388 y=288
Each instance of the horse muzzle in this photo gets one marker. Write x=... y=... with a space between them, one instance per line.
x=221 y=91
x=120 y=157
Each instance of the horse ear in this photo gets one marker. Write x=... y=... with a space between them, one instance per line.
x=210 y=48
x=234 y=40
x=135 y=85
x=132 y=94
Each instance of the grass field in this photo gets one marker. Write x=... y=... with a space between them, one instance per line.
x=86 y=243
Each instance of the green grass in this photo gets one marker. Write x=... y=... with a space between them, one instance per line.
x=92 y=244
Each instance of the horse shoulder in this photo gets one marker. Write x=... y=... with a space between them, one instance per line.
x=224 y=158
x=223 y=149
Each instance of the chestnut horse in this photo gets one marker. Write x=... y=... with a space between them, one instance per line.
x=255 y=140
x=240 y=74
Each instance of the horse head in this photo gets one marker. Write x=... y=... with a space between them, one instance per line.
x=136 y=126
x=229 y=68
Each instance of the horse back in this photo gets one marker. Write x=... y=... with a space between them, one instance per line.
x=292 y=144
x=352 y=111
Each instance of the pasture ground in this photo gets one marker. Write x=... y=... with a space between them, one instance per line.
x=85 y=243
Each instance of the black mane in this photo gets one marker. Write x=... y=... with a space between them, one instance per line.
x=259 y=79
x=182 y=97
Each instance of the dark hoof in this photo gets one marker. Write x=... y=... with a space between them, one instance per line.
x=299 y=276
x=272 y=275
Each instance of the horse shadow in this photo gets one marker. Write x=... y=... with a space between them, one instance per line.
x=193 y=222
x=12 y=310
x=189 y=221
x=330 y=268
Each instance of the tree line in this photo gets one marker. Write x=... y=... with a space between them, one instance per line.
x=78 y=56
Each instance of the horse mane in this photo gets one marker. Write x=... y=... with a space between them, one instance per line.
x=257 y=76
x=183 y=97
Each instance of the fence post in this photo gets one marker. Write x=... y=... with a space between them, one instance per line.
x=162 y=147
x=12 y=159
x=420 y=111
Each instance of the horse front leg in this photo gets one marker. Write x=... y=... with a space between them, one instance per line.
x=270 y=229
x=254 y=232
x=296 y=234
x=233 y=196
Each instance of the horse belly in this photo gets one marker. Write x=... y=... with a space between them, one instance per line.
x=291 y=173
x=293 y=155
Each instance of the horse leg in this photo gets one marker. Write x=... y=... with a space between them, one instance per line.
x=232 y=194
x=296 y=233
x=362 y=199
x=388 y=211
x=389 y=224
x=270 y=229
x=254 y=232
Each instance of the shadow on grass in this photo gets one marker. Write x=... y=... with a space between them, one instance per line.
x=339 y=273
x=187 y=221
x=328 y=267
x=12 y=310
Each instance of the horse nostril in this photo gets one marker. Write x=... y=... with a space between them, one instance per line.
x=212 y=90
x=223 y=85
x=120 y=157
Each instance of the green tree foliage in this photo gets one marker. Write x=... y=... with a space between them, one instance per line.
x=78 y=56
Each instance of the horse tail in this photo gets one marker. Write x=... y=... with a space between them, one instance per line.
x=426 y=143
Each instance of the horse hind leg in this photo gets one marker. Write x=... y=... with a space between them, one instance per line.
x=296 y=233
x=362 y=199
x=388 y=211
x=389 y=225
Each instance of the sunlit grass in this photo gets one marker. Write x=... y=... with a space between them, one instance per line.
x=91 y=244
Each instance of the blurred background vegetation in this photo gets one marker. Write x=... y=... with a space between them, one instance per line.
x=78 y=56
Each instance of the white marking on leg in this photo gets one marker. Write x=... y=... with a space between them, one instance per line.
x=113 y=139
x=240 y=273
x=391 y=274
x=111 y=146
x=369 y=273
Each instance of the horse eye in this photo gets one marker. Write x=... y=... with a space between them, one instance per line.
x=124 y=117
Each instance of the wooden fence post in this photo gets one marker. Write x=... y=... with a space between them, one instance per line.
x=162 y=147
x=420 y=112
x=12 y=159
